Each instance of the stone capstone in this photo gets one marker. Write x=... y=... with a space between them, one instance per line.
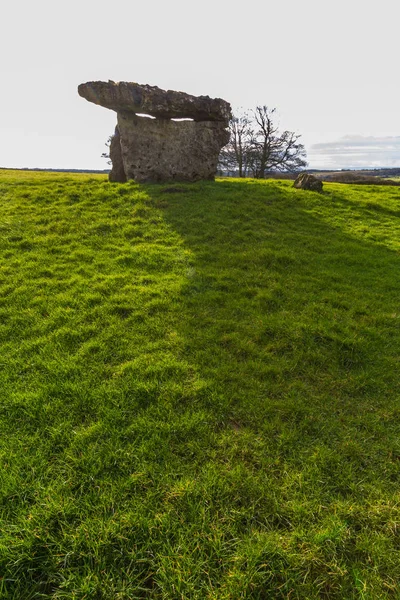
x=160 y=149
x=305 y=181
x=153 y=101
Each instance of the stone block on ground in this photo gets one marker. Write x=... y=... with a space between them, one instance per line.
x=306 y=181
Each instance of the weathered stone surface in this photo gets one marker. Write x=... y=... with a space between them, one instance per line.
x=157 y=150
x=117 y=172
x=151 y=100
x=305 y=181
x=160 y=149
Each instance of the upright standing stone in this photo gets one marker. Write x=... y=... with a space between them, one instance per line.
x=161 y=149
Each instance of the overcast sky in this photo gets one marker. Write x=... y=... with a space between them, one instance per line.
x=330 y=68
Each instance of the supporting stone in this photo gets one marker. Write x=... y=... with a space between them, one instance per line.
x=117 y=173
x=163 y=150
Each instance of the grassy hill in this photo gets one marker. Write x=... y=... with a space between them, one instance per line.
x=199 y=390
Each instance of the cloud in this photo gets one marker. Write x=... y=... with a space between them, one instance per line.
x=356 y=151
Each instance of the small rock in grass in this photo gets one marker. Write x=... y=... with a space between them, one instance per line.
x=305 y=181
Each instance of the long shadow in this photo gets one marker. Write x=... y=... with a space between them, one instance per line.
x=365 y=199
x=277 y=298
x=275 y=413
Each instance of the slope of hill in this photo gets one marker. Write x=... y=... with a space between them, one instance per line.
x=199 y=389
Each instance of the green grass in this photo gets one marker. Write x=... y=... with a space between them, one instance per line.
x=199 y=390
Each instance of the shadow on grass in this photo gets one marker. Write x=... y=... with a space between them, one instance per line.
x=366 y=199
x=236 y=435
x=277 y=297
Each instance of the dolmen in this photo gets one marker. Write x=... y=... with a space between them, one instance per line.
x=149 y=144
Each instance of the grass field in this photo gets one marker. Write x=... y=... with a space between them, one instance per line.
x=199 y=390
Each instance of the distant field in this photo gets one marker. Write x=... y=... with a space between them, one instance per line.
x=356 y=177
x=199 y=390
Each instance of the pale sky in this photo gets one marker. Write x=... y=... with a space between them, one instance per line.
x=330 y=69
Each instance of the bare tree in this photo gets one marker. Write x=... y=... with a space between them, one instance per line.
x=106 y=155
x=256 y=146
x=271 y=150
x=234 y=156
